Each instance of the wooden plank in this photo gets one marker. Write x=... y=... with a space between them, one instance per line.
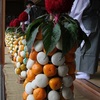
x=87 y=89
x=2 y=30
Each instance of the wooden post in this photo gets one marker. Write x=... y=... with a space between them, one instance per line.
x=2 y=32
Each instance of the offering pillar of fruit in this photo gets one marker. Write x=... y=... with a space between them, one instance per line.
x=53 y=39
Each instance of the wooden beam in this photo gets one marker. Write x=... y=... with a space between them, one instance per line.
x=87 y=89
x=2 y=31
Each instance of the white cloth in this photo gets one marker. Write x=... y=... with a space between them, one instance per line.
x=76 y=13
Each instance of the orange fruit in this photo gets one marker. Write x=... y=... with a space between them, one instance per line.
x=27 y=54
x=71 y=67
x=24 y=95
x=15 y=42
x=19 y=59
x=14 y=59
x=25 y=82
x=39 y=94
x=39 y=34
x=73 y=76
x=30 y=75
x=70 y=57
x=52 y=52
x=33 y=55
x=21 y=47
x=72 y=87
x=37 y=68
x=55 y=83
x=49 y=70
x=73 y=49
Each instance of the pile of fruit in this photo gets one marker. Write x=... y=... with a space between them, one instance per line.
x=49 y=77
x=18 y=50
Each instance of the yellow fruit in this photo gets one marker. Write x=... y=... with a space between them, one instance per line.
x=23 y=67
x=17 y=71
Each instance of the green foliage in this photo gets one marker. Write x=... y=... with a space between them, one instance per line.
x=66 y=28
x=10 y=29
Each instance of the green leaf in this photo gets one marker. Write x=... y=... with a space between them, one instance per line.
x=32 y=38
x=51 y=35
x=67 y=40
x=32 y=27
x=73 y=29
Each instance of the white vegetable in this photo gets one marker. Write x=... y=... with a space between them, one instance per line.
x=67 y=81
x=38 y=45
x=41 y=80
x=42 y=58
x=28 y=88
x=62 y=70
x=57 y=59
x=67 y=93
x=30 y=62
x=53 y=95
x=23 y=74
x=30 y=97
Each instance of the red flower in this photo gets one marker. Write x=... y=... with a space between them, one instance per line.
x=11 y=23
x=58 y=6
x=16 y=22
x=23 y=16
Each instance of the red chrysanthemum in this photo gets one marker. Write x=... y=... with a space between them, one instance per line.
x=23 y=16
x=16 y=22
x=11 y=23
x=58 y=6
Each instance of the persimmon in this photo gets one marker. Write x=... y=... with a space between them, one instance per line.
x=39 y=94
x=37 y=68
x=24 y=95
x=73 y=76
x=15 y=42
x=52 y=52
x=72 y=87
x=33 y=55
x=25 y=82
x=71 y=67
x=19 y=59
x=30 y=75
x=70 y=57
x=55 y=83
x=49 y=70
x=14 y=59
x=39 y=34
x=21 y=47
x=73 y=49
x=27 y=54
